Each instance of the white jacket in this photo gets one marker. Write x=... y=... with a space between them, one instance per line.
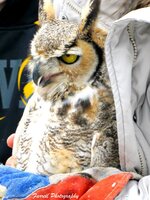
x=128 y=61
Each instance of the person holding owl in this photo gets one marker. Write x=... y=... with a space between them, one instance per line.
x=123 y=57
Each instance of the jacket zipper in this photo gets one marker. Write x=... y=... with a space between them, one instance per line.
x=74 y=6
x=131 y=30
x=141 y=163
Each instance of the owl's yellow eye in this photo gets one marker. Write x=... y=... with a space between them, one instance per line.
x=69 y=58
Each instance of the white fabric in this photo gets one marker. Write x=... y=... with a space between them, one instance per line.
x=130 y=78
x=130 y=83
x=109 y=10
x=136 y=190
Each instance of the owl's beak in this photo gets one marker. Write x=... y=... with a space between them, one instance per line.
x=38 y=79
x=36 y=74
x=43 y=80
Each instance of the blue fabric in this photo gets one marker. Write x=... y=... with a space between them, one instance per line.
x=20 y=184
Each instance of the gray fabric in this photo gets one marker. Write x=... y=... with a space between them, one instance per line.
x=109 y=10
x=129 y=73
x=130 y=77
x=136 y=190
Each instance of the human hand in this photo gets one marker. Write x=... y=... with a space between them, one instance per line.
x=10 y=140
x=10 y=161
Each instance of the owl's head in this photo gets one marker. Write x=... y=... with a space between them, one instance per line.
x=65 y=53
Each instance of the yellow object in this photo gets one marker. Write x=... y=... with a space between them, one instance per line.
x=28 y=89
x=69 y=58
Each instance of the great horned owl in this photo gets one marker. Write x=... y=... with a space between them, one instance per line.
x=69 y=123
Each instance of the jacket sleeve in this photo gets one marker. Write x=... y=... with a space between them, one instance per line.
x=127 y=58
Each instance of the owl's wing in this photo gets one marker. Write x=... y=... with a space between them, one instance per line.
x=25 y=121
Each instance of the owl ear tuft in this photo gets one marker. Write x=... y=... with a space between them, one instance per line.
x=89 y=15
x=46 y=11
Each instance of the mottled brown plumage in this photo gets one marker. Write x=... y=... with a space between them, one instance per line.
x=143 y=3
